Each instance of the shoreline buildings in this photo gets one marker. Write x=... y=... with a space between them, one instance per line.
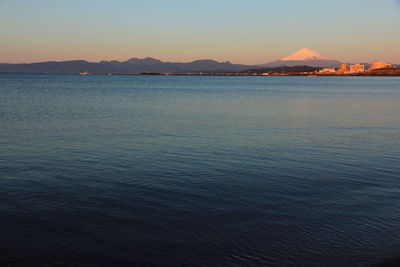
x=356 y=68
x=376 y=65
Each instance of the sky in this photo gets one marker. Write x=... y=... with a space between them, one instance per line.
x=240 y=31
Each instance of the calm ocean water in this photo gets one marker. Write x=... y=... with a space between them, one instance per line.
x=204 y=171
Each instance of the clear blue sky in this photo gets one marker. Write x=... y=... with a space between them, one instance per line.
x=242 y=31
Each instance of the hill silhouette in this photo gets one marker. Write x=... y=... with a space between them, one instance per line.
x=131 y=66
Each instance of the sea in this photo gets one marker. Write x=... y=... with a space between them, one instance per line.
x=107 y=170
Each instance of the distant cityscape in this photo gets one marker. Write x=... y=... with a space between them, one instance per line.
x=356 y=68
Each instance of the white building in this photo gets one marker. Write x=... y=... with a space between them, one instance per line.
x=376 y=65
x=327 y=71
x=357 y=68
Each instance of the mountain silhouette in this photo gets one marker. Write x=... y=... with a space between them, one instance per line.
x=304 y=54
x=304 y=57
x=131 y=66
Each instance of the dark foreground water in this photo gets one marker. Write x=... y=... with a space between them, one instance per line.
x=229 y=171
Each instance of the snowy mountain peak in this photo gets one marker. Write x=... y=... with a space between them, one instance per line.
x=304 y=54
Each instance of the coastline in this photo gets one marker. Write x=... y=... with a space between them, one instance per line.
x=393 y=72
x=382 y=73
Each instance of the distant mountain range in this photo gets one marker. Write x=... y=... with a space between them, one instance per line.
x=131 y=66
x=302 y=57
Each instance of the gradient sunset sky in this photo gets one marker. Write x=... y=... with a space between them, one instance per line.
x=241 y=31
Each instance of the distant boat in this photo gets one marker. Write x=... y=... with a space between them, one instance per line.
x=84 y=73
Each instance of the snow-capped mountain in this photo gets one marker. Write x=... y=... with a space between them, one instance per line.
x=304 y=57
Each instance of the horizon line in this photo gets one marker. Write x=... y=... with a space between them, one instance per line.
x=183 y=62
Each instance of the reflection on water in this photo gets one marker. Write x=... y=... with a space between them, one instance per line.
x=132 y=170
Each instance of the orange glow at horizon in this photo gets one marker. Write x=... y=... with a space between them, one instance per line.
x=182 y=32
